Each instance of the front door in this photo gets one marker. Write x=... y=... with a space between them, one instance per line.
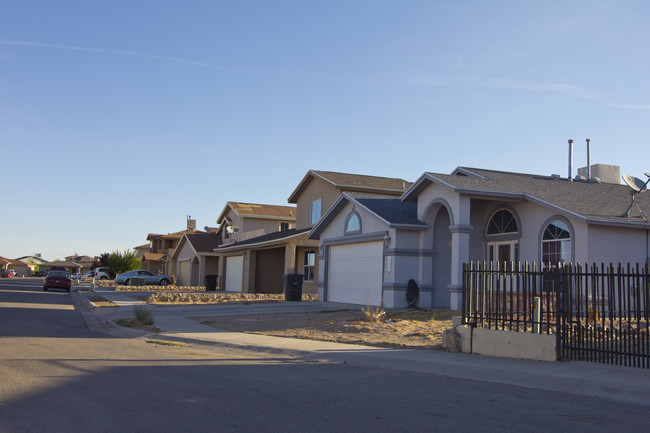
x=503 y=254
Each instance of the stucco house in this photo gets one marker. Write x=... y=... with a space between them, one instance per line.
x=246 y=261
x=21 y=268
x=258 y=264
x=372 y=246
x=195 y=258
x=159 y=258
x=33 y=262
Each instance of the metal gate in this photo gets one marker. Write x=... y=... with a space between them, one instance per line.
x=598 y=313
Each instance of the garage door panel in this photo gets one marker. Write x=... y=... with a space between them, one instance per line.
x=355 y=273
x=234 y=273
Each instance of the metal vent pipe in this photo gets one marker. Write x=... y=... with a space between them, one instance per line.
x=570 y=159
x=588 y=160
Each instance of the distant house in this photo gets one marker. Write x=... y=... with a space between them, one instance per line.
x=86 y=263
x=21 y=268
x=69 y=266
x=159 y=258
x=33 y=262
x=252 y=246
x=195 y=258
x=372 y=246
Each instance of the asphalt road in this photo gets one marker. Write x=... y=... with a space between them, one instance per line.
x=58 y=376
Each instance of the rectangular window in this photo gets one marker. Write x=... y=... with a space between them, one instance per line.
x=310 y=260
x=315 y=211
x=284 y=226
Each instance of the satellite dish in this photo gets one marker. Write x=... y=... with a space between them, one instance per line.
x=637 y=186
x=635 y=183
x=232 y=229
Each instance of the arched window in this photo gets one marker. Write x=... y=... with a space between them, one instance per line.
x=502 y=222
x=353 y=224
x=556 y=243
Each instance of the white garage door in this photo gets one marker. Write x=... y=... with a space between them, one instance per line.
x=234 y=273
x=183 y=277
x=355 y=273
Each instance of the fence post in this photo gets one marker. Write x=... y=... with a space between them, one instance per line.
x=537 y=316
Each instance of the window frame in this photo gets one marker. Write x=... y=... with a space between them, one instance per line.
x=316 y=211
x=563 y=246
x=308 y=269
x=351 y=215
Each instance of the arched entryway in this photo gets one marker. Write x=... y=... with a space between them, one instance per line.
x=442 y=259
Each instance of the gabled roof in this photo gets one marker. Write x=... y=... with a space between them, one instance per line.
x=353 y=182
x=264 y=240
x=590 y=201
x=143 y=246
x=203 y=242
x=266 y=211
x=152 y=257
x=64 y=263
x=34 y=258
x=175 y=235
x=12 y=262
x=394 y=212
x=199 y=242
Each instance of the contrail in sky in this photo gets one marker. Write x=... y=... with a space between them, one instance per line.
x=421 y=80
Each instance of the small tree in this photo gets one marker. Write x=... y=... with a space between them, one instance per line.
x=103 y=260
x=126 y=261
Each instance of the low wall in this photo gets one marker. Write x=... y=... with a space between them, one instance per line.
x=507 y=344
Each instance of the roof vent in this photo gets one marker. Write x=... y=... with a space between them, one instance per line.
x=555 y=176
x=579 y=178
x=595 y=180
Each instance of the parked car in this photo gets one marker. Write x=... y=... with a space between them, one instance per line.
x=75 y=276
x=87 y=274
x=101 y=273
x=57 y=280
x=40 y=273
x=149 y=278
x=8 y=273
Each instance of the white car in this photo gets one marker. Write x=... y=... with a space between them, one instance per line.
x=101 y=274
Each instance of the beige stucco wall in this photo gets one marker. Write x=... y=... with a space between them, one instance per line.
x=317 y=189
x=253 y=227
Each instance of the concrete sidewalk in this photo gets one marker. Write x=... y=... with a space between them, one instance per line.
x=610 y=382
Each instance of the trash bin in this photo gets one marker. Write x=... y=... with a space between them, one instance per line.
x=293 y=287
x=211 y=283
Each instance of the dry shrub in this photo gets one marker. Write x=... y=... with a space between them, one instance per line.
x=143 y=315
x=374 y=314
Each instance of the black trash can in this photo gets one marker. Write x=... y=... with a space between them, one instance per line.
x=211 y=283
x=293 y=287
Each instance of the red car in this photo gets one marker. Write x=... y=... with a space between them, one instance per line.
x=57 y=280
x=7 y=274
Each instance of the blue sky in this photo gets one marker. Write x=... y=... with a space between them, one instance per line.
x=120 y=118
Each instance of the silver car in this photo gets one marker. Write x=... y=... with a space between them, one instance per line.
x=149 y=278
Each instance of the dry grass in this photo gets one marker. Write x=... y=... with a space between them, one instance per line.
x=405 y=329
x=218 y=298
x=152 y=288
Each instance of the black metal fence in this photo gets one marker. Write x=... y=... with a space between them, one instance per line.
x=598 y=313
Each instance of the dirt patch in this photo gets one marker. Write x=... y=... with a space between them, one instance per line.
x=100 y=301
x=412 y=330
x=133 y=323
